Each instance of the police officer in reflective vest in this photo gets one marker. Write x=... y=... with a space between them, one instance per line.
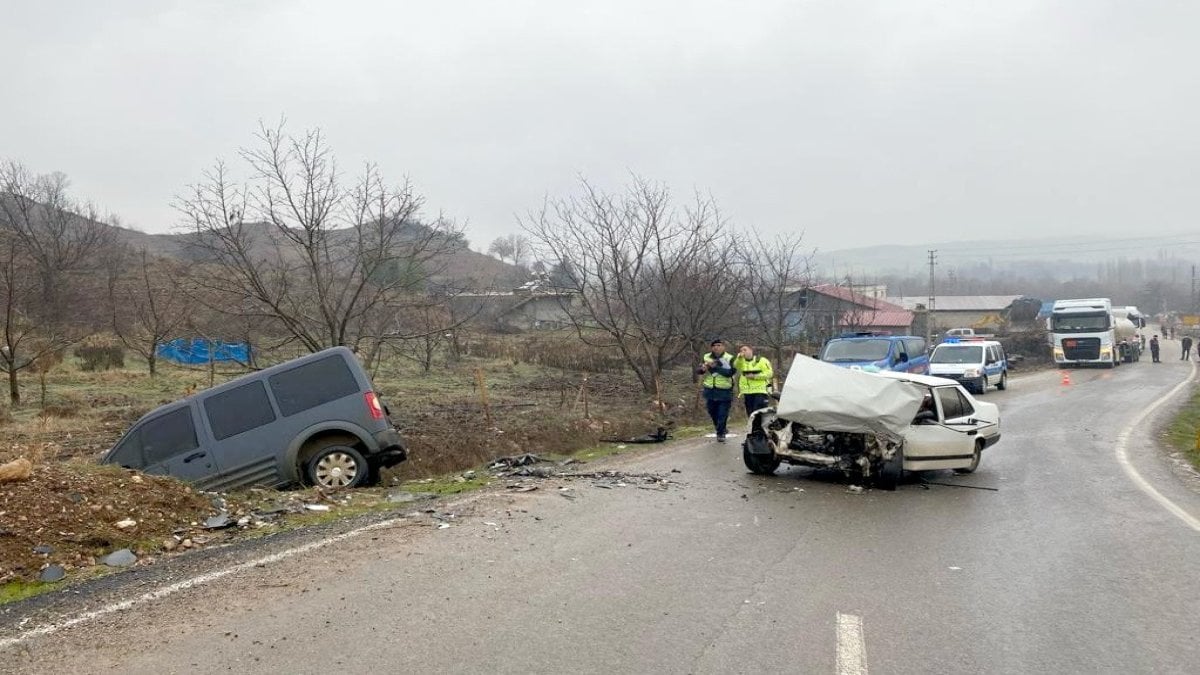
x=718 y=371
x=754 y=376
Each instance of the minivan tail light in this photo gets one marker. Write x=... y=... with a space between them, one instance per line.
x=374 y=405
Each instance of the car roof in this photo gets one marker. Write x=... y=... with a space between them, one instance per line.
x=927 y=380
x=968 y=343
x=876 y=337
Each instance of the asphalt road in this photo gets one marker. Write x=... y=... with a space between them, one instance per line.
x=1070 y=567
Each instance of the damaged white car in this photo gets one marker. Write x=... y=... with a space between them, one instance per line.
x=871 y=426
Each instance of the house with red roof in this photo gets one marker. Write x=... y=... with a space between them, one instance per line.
x=827 y=310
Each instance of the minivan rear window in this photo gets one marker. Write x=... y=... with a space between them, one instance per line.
x=238 y=410
x=313 y=384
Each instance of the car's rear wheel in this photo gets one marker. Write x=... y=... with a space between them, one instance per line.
x=337 y=465
x=975 y=459
x=891 y=471
x=764 y=464
x=1003 y=383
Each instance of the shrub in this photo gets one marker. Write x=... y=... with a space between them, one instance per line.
x=100 y=353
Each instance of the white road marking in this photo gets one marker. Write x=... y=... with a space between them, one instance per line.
x=851 y=647
x=1123 y=457
x=198 y=580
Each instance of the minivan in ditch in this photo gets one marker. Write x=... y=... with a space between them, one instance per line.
x=314 y=420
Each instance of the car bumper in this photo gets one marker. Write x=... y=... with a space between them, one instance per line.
x=991 y=440
x=391 y=448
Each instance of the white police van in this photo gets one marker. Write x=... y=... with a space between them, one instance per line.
x=976 y=364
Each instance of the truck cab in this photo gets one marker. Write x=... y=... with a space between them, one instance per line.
x=1083 y=333
x=878 y=352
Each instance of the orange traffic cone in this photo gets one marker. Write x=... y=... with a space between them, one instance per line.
x=1066 y=379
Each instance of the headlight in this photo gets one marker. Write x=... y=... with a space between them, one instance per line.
x=1106 y=350
x=971 y=372
x=1058 y=352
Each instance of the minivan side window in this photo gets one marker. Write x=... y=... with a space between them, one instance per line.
x=238 y=410
x=916 y=347
x=313 y=384
x=168 y=435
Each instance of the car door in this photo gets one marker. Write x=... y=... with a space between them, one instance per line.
x=991 y=364
x=918 y=356
x=240 y=421
x=170 y=446
x=951 y=438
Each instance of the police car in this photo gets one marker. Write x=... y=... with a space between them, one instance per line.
x=974 y=362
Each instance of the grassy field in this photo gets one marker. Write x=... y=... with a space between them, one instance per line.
x=69 y=512
x=1184 y=432
x=531 y=407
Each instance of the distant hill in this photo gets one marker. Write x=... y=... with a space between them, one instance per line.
x=462 y=267
x=1069 y=256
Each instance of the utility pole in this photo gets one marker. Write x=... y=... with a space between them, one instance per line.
x=932 y=299
x=1194 y=307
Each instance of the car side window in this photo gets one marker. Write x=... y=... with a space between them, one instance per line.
x=950 y=402
x=238 y=410
x=168 y=435
x=965 y=404
x=313 y=384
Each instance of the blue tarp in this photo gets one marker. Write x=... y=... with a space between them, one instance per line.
x=199 y=351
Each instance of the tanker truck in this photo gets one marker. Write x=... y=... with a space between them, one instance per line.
x=1083 y=332
x=1128 y=323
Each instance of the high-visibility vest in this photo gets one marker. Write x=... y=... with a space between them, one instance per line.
x=753 y=375
x=714 y=380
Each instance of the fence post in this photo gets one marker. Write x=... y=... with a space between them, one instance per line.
x=483 y=397
x=582 y=397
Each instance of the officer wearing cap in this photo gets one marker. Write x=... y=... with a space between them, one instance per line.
x=717 y=369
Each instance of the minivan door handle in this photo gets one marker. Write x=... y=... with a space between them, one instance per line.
x=194 y=455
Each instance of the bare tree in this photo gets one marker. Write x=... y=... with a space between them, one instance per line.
x=516 y=248
x=649 y=279
x=302 y=247
x=48 y=244
x=149 y=309
x=777 y=270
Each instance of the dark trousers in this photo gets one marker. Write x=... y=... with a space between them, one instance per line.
x=1154 y=354
x=1187 y=351
x=719 y=412
x=755 y=402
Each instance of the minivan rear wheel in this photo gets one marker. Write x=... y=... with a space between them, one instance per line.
x=337 y=466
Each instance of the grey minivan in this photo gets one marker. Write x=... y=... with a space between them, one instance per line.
x=313 y=420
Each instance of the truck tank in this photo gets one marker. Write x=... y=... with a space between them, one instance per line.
x=1126 y=333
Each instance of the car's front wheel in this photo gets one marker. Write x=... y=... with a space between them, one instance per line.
x=982 y=387
x=891 y=471
x=338 y=466
x=763 y=465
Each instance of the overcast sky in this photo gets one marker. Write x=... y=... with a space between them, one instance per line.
x=858 y=122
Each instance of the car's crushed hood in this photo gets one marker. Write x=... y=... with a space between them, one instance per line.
x=829 y=398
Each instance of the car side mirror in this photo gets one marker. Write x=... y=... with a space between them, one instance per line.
x=925 y=417
x=903 y=358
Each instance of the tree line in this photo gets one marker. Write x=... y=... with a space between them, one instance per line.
x=284 y=246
